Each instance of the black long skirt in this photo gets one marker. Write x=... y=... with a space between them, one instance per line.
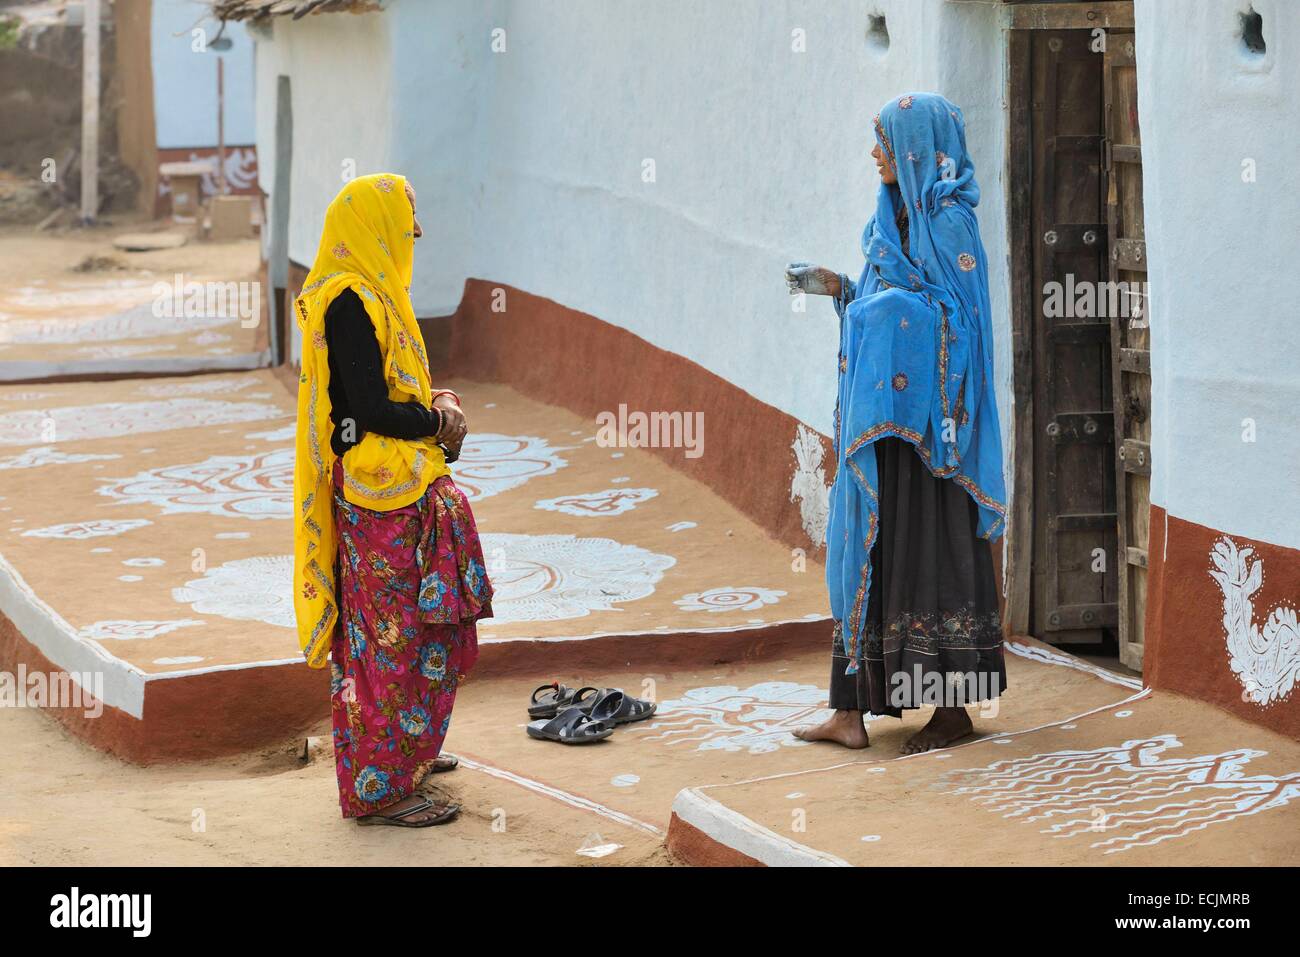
x=933 y=633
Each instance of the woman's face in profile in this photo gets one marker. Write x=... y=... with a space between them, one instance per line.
x=887 y=174
x=410 y=195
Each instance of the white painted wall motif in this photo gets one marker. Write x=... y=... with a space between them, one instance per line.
x=1265 y=659
x=808 y=486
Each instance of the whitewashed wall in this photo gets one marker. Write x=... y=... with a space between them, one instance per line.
x=1224 y=255
x=185 y=82
x=340 y=71
x=529 y=162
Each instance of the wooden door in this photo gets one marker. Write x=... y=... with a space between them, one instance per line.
x=1130 y=339
x=1074 y=580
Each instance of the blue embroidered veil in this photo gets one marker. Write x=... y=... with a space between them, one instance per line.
x=916 y=348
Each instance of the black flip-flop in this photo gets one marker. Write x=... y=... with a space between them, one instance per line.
x=571 y=726
x=613 y=705
x=548 y=700
x=397 y=819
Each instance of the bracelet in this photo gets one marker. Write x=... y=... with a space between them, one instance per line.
x=441 y=421
x=444 y=392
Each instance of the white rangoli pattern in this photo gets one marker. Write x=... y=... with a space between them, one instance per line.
x=205 y=386
x=91 y=528
x=757 y=719
x=1266 y=660
x=285 y=434
x=125 y=629
x=247 y=589
x=24 y=396
x=138 y=322
x=1128 y=791
x=610 y=501
x=535 y=577
x=729 y=598
x=490 y=464
x=241 y=486
x=105 y=420
x=122 y=351
x=48 y=455
x=554 y=577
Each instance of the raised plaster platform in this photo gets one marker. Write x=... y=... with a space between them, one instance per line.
x=56 y=322
x=145 y=536
x=1077 y=768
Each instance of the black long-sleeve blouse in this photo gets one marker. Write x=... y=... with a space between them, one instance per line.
x=357 y=389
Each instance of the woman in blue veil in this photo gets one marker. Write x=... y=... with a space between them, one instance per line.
x=918 y=489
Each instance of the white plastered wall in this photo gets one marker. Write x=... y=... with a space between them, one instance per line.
x=530 y=161
x=1223 y=254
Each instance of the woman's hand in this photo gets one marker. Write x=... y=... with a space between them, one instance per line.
x=454 y=427
x=813 y=280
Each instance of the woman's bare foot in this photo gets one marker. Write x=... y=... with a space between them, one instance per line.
x=843 y=727
x=945 y=726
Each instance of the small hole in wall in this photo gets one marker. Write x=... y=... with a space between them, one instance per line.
x=1252 y=31
x=877 y=33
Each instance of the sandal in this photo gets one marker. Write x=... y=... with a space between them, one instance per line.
x=397 y=819
x=601 y=704
x=444 y=764
x=613 y=705
x=571 y=726
x=549 y=700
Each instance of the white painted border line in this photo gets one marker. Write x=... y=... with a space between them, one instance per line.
x=733 y=830
x=212 y=669
x=1049 y=657
x=982 y=739
x=667 y=633
x=51 y=634
x=564 y=797
x=279 y=662
x=23 y=370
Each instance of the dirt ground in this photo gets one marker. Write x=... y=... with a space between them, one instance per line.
x=722 y=730
x=63 y=803
x=26 y=254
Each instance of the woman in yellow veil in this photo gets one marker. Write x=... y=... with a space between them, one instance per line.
x=389 y=577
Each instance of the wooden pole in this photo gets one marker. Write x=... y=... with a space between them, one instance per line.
x=90 y=113
x=221 y=126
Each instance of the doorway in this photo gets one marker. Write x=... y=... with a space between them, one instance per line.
x=1077 y=552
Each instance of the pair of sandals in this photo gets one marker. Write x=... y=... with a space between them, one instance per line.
x=582 y=715
x=418 y=814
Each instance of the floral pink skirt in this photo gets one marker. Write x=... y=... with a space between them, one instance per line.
x=411 y=585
